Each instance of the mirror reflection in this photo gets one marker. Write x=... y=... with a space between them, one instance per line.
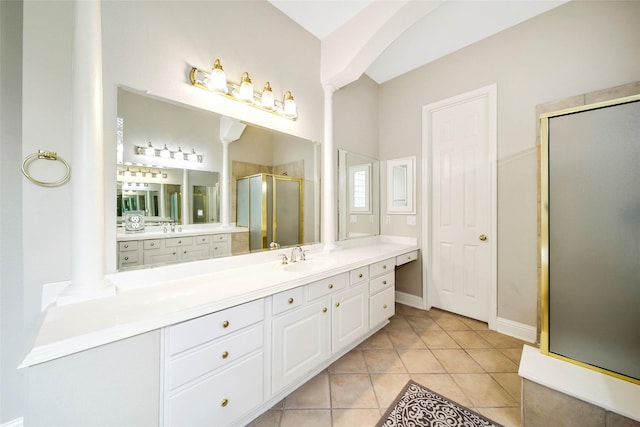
x=170 y=163
x=358 y=196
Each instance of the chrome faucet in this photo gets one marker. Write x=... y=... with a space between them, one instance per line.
x=297 y=254
x=173 y=227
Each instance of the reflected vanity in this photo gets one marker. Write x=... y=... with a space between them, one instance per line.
x=170 y=161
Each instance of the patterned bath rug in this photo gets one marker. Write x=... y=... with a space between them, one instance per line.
x=417 y=406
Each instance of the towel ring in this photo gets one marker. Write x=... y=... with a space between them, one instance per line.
x=47 y=155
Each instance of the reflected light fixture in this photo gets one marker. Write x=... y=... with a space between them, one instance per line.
x=267 y=101
x=215 y=81
x=246 y=88
x=149 y=150
x=165 y=153
x=192 y=156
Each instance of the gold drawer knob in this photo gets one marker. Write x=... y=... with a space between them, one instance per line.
x=330 y=285
x=360 y=276
x=179 y=241
x=173 y=253
x=126 y=246
x=225 y=324
x=384 y=306
x=409 y=257
x=290 y=300
x=203 y=239
x=225 y=354
x=152 y=244
x=337 y=304
x=324 y=309
x=384 y=267
x=126 y=258
x=185 y=252
x=224 y=402
x=384 y=283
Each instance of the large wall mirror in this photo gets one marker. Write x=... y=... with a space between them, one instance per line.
x=170 y=164
x=358 y=196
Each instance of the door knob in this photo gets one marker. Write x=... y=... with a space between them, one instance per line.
x=483 y=237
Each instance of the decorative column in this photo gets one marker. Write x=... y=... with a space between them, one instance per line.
x=87 y=179
x=225 y=186
x=329 y=172
x=185 y=200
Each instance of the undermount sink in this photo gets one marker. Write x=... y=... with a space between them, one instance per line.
x=308 y=265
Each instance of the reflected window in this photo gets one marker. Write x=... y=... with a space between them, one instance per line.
x=360 y=188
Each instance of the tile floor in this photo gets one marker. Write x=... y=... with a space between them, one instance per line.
x=452 y=355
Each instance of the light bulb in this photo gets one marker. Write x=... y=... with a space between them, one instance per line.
x=267 y=100
x=290 y=109
x=149 y=150
x=165 y=153
x=148 y=174
x=127 y=173
x=217 y=79
x=192 y=157
x=246 y=88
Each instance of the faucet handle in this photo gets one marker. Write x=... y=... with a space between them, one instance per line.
x=285 y=260
x=303 y=256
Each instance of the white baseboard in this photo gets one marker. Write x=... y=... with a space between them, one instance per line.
x=517 y=330
x=18 y=422
x=410 y=300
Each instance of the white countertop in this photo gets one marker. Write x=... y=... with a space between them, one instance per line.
x=153 y=298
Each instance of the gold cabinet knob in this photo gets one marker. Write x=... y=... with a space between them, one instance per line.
x=337 y=304
x=152 y=244
x=324 y=309
x=225 y=324
x=185 y=252
x=290 y=300
x=409 y=257
x=360 y=276
x=384 y=283
x=225 y=354
x=330 y=285
x=126 y=258
x=179 y=242
x=384 y=306
x=384 y=267
x=126 y=246
x=224 y=402
x=173 y=253
x=483 y=237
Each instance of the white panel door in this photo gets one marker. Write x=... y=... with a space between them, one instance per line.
x=461 y=209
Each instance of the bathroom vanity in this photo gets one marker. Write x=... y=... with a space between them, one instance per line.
x=158 y=247
x=212 y=342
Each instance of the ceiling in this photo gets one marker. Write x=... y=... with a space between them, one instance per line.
x=451 y=26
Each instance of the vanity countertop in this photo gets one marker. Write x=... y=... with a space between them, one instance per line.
x=157 y=232
x=157 y=297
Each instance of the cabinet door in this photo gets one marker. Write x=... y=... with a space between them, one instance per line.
x=383 y=306
x=349 y=315
x=160 y=256
x=300 y=342
x=220 y=399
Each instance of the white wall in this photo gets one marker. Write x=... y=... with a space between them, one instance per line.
x=576 y=48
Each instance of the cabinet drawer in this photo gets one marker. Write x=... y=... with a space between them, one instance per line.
x=220 y=399
x=287 y=300
x=202 y=240
x=221 y=249
x=326 y=286
x=178 y=241
x=220 y=237
x=382 y=267
x=152 y=244
x=128 y=258
x=220 y=353
x=405 y=258
x=359 y=275
x=382 y=306
x=128 y=246
x=206 y=328
x=382 y=282
x=194 y=252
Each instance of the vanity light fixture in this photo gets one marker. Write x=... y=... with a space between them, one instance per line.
x=267 y=100
x=149 y=150
x=127 y=173
x=166 y=153
x=215 y=81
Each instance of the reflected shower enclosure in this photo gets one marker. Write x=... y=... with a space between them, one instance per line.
x=271 y=207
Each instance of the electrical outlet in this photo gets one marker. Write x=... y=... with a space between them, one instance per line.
x=411 y=220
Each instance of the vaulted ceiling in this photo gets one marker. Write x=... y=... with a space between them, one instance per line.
x=428 y=30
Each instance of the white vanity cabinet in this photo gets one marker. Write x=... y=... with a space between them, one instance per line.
x=214 y=367
x=382 y=291
x=350 y=311
x=166 y=250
